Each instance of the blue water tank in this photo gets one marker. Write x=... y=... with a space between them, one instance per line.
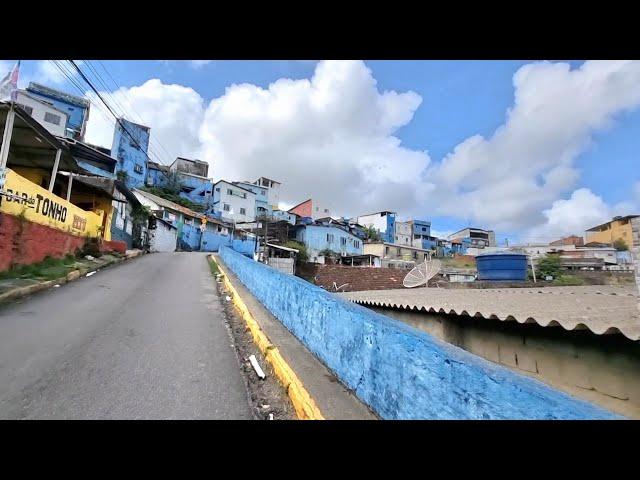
x=502 y=266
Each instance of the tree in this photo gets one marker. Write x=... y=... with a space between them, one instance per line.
x=620 y=245
x=371 y=233
x=549 y=265
x=302 y=256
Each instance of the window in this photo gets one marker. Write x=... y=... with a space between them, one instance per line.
x=137 y=168
x=330 y=237
x=415 y=255
x=399 y=251
x=218 y=189
x=356 y=243
x=386 y=250
x=229 y=191
x=326 y=210
x=52 y=118
x=343 y=241
x=226 y=207
x=243 y=211
x=424 y=229
x=26 y=108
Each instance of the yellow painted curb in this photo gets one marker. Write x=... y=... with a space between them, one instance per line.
x=305 y=407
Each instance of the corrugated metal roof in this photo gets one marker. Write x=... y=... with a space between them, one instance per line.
x=600 y=309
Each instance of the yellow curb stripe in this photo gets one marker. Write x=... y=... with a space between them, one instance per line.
x=305 y=407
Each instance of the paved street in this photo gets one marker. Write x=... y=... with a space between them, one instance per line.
x=142 y=340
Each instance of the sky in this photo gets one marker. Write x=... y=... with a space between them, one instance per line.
x=533 y=150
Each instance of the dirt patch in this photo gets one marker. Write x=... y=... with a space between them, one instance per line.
x=267 y=396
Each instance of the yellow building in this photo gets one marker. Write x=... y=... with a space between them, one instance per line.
x=619 y=228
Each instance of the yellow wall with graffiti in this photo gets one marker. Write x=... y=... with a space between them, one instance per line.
x=38 y=205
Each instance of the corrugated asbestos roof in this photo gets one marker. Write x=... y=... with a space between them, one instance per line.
x=600 y=309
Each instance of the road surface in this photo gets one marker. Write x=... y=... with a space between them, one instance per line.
x=142 y=340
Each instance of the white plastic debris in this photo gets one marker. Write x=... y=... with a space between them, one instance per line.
x=265 y=406
x=227 y=298
x=56 y=285
x=271 y=416
x=90 y=273
x=89 y=257
x=256 y=367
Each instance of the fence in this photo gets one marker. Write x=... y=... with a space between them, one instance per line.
x=400 y=372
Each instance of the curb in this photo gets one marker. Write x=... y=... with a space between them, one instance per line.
x=45 y=285
x=303 y=404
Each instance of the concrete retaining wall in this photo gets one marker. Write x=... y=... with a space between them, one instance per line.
x=401 y=372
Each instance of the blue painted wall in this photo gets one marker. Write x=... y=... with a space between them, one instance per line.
x=389 y=234
x=156 y=178
x=401 y=372
x=95 y=170
x=261 y=197
x=314 y=237
x=76 y=113
x=131 y=154
x=282 y=215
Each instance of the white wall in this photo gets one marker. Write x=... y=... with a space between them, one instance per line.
x=39 y=111
x=319 y=210
x=235 y=202
x=376 y=220
x=162 y=238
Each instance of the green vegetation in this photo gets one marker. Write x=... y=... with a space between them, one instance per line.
x=620 y=245
x=460 y=261
x=327 y=252
x=303 y=256
x=372 y=235
x=172 y=194
x=213 y=266
x=568 y=281
x=50 y=268
x=549 y=265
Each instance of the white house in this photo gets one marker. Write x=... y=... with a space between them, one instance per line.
x=163 y=238
x=51 y=118
x=234 y=202
x=273 y=190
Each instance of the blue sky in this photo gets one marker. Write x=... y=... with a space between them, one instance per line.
x=459 y=99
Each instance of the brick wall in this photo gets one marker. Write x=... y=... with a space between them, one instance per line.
x=357 y=278
x=23 y=242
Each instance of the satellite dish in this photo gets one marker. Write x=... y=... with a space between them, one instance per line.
x=422 y=273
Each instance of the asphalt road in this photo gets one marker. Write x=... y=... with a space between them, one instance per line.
x=145 y=339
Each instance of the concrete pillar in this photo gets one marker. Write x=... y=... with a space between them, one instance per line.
x=54 y=172
x=69 y=186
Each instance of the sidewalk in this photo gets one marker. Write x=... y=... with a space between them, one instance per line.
x=13 y=288
x=333 y=399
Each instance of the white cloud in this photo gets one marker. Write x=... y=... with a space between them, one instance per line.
x=507 y=181
x=330 y=137
x=173 y=112
x=197 y=64
x=583 y=209
x=333 y=137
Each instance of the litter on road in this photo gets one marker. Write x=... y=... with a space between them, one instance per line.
x=90 y=273
x=256 y=367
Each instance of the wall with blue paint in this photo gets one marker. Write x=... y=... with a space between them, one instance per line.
x=156 y=178
x=314 y=237
x=131 y=154
x=95 y=170
x=76 y=113
x=401 y=372
x=389 y=234
x=286 y=216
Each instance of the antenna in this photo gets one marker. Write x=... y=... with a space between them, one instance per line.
x=422 y=273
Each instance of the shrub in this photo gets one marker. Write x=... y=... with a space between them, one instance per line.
x=568 y=281
x=303 y=256
x=620 y=245
x=548 y=265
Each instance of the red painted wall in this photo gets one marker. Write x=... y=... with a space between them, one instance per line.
x=113 y=246
x=304 y=209
x=23 y=242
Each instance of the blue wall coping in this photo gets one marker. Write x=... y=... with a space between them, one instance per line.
x=399 y=371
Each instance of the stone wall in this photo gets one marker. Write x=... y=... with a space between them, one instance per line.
x=355 y=279
x=399 y=371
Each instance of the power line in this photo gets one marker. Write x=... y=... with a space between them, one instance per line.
x=122 y=126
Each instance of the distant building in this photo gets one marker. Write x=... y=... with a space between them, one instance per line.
x=383 y=222
x=263 y=206
x=130 y=147
x=571 y=240
x=234 y=202
x=474 y=238
x=311 y=209
x=273 y=190
x=403 y=234
x=317 y=238
x=76 y=108
x=619 y=228
x=397 y=256
x=50 y=117
x=284 y=215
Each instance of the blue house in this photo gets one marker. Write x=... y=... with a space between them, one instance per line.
x=384 y=222
x=320 y=237
x=284 y=215
x=263 y=208
x=130 y=147
x=76 y=108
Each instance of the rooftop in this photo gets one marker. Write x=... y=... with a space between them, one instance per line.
x=59 y=94
x=614 y=219
x=599 y=309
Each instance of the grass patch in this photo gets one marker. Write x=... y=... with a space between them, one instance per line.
x=213 y=266
x=49 y=269
x=568 y=281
